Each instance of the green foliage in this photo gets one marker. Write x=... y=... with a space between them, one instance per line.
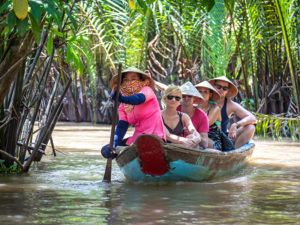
x=50 y=44
x=51 y=10
x=35 y=10
x=11 y=169
x=11 y=20
x=248 y=104
x=196 y=35
x=277 y=127
x=35 y=28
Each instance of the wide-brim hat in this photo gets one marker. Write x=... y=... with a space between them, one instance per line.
x=232 y=91
x=189 y=89
x=113 y=80
x=215 y=94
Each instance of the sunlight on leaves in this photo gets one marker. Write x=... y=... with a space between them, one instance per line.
x=131 y=4
x=21 y=8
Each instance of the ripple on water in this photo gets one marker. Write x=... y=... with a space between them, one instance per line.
x=68 y=189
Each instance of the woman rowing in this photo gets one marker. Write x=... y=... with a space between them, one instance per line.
x=139 y=107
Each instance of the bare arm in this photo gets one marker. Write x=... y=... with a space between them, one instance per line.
x=204 y=139
x=247 y=118
x=193 y=133
x=214 y=115
x=160 y=86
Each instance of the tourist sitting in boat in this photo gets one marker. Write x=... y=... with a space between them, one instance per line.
x=198 y=117
x=217 y=139
x=177 y=122
x=242 y=131
x=139 y=107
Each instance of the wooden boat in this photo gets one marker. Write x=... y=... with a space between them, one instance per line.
x=149 y=159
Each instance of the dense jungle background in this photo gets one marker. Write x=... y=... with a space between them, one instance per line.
x=58 y=56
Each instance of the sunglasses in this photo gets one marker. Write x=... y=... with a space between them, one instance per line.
x=187 y=96
x=177 y=98
x=225 y=88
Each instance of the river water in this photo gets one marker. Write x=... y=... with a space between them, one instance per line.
x=67 y=189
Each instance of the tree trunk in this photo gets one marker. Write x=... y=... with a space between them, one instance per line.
x=12 y=62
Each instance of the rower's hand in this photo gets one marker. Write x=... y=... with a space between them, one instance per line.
x=113 y=96
x=113 y=89
x=107 y=153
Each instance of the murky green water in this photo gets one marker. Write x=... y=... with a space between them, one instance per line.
x=67 y=189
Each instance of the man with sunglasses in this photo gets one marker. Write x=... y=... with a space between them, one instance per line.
x=242 y=131
x=198 y=117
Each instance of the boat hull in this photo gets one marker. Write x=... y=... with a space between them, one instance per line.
x=186 y=164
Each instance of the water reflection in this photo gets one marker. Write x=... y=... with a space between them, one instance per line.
x=68 y=190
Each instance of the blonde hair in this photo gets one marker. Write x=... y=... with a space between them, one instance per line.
x=172 y=89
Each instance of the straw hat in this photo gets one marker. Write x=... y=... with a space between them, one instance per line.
x=135 y=70
x=189 y=89
x=232 y=92
x=215 y=94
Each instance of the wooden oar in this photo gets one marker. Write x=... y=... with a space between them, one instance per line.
x=107 y=174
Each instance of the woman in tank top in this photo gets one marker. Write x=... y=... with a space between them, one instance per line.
x=213 y=112
x=177 y=122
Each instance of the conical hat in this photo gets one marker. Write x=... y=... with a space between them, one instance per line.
x=135 y=70
x=215 y=95
x=189 y=89
x=232 y=92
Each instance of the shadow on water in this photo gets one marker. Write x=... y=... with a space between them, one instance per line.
x=68 y=190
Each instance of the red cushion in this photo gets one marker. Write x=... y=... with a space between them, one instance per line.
x=151 y=155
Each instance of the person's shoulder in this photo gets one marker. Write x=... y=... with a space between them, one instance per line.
x=184 y=115
x=233 y=104
x=148 y=92
x=199 y=111
x=147 y=88
x=236 y=108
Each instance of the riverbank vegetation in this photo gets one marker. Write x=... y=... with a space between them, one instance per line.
x=57 y=57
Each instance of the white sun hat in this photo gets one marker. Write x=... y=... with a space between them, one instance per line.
x=189 y=89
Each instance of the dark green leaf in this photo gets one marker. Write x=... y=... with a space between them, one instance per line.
x=150 y=1
x=59 y=34
x=35 y=29
x=22 y=26
x=35 y=10
x=11 y=20
x=208 y=4
x=76 y=58
x=4 y=6
x=73 y=20
x=80 y=67
x=53 y=11
x=142 y=5
x=49 y=44
x=40 y=2
x=69 y=54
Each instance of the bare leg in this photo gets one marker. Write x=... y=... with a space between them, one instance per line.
x=244 y=134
